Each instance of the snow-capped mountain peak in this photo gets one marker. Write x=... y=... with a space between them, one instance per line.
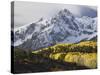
x=64 y=27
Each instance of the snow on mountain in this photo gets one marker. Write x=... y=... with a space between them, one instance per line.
x=64 y=27
x=25 y=32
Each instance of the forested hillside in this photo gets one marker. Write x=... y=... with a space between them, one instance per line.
x=59 y=57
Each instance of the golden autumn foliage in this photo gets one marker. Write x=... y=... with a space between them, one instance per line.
x=86 y=59
x=83 y=53
x=86 y=47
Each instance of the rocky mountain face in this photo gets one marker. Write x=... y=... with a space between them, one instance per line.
x=64 y=27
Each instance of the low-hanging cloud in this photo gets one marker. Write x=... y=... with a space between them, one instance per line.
x=26 y=12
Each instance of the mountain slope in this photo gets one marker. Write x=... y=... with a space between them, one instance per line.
x=64 y=27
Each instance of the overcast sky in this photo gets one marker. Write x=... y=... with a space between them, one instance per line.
x=27 y=12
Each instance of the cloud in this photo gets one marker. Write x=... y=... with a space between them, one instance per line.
x=26 y=12
x=88 y=11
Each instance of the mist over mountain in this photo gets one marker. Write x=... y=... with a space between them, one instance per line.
x=64 y=27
